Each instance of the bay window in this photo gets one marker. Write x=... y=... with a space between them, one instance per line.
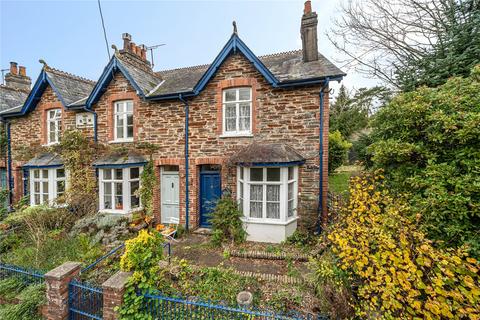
x=268 y=194
x=237 y=111
x=54 y=125
x=119 y=189
x=123 y=121
x=46 y=185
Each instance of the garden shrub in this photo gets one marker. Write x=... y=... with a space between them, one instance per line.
x=360 y=150
x=428 y=143
x=337 y=150
x=142 y=255
x=148 y=184
x=396 y=272
x=226 y=222
x=30 y=299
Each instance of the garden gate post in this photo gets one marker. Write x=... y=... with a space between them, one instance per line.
x=113 y=290
x=57 y=281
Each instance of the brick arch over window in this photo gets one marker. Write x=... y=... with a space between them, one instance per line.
x=236 y=83
x=110 y=112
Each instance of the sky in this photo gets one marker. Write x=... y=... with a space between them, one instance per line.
x=68 y=35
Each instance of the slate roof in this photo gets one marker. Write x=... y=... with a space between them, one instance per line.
x=70 y=87
x=45 y=160
x=147 y=81
x=11 y=98
x=285 y=66
x=271 y=153
x=119 y=160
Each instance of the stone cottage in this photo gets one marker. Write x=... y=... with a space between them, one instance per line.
x=253 y=126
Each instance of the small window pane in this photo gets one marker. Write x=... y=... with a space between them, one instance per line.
x=291 y=171
x=241 y=173
x=118 y=107
x=134 y=173
x=230 y=95
x=130 y=132
x=256 y=192
x=256 y=174
x=273 y=193
x=273 y=210
x=256 y=209
x=107 y=174
x=45 y=198
x=134 y=199
x=129 y=106
x=45 y=174
x=36 y=187
x=118 y=174
x=119 y=196
x=45 y=187
x=130 y=120
x=60 y=187
x=170 y=168
x=290 y=209
x=244 y=94
x=273 y=174
x=107 y=196
x=119 y=132
x=36 y=199
x=36 y=174
x=290 y=190
x=60 y=173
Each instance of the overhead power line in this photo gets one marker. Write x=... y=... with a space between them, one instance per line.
x=104 y=31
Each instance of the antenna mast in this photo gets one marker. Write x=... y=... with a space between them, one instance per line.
x=153 y=48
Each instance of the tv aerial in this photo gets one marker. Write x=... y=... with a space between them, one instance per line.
x=151 y=48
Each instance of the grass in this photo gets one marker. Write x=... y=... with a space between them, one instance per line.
x=338 y=181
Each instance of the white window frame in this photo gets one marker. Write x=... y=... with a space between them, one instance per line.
x=283 y=183
x=54 y=124
x=126 y=189
x=51 y=180
x=123 y=114
x=237 y=103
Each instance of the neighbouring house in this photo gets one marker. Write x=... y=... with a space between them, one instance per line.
x=255 y=126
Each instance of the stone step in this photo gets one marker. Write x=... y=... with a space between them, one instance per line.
x=203 y=231
x=278 y=278
x=266 y=255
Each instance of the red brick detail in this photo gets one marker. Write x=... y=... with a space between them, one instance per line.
x=114 y=97
x=113 y=291
x=157 y=196
x=17 y=174
x=235 y=83
x=57 y=281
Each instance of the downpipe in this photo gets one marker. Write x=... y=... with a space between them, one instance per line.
x=9 y=164
x=320 y=212
x=187 y=195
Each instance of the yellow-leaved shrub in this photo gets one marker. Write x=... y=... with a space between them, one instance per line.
x=395 y=270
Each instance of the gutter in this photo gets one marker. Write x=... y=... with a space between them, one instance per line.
x=187 y=196
x=320 y=211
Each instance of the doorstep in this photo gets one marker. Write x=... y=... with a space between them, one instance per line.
x=203 y=231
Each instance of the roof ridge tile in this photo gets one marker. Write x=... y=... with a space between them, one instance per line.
x=70 y=75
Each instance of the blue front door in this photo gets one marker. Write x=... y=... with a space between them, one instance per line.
x=210 y=192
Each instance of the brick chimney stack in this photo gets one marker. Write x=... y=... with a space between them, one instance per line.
x=17 y=78
x=135 y=54
x=308 y=31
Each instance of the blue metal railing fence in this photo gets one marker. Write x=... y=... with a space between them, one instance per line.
x=26 y=275
x=85 y=301
x=158 y=306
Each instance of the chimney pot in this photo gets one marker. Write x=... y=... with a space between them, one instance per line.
x=143 y=51
x=308 y=7
x=22 y=71
x=13 y=68
x=126 y=41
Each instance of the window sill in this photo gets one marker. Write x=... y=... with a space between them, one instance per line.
x=50 y=144
x=271 y=222
x=120 y=212
x=121 y=141
x=240 y=135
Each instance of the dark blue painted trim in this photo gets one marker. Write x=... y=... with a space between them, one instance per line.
x=115 y=166
x=107 y=76
x=43 y=167
x=234 y=44
x=26 y=175
x=187 y=196
x=271 y=164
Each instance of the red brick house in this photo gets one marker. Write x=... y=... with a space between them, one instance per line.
x=254 y=126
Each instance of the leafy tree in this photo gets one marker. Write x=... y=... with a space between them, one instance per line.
x=428 y=142
x=337 y=150
x=408 y=43
x=350 y=113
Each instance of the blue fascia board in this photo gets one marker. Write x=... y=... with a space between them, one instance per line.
x=305 y=82
x=48 y=166
x=105 y=79
x=117 y=166
x=171 y=96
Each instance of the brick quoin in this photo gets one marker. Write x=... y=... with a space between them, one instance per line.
x=280 y=115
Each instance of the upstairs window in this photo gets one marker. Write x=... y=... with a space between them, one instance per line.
x=54 y=125
x=46 y=185
x=119 y=189
x=237 y=111
x=123 y=121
